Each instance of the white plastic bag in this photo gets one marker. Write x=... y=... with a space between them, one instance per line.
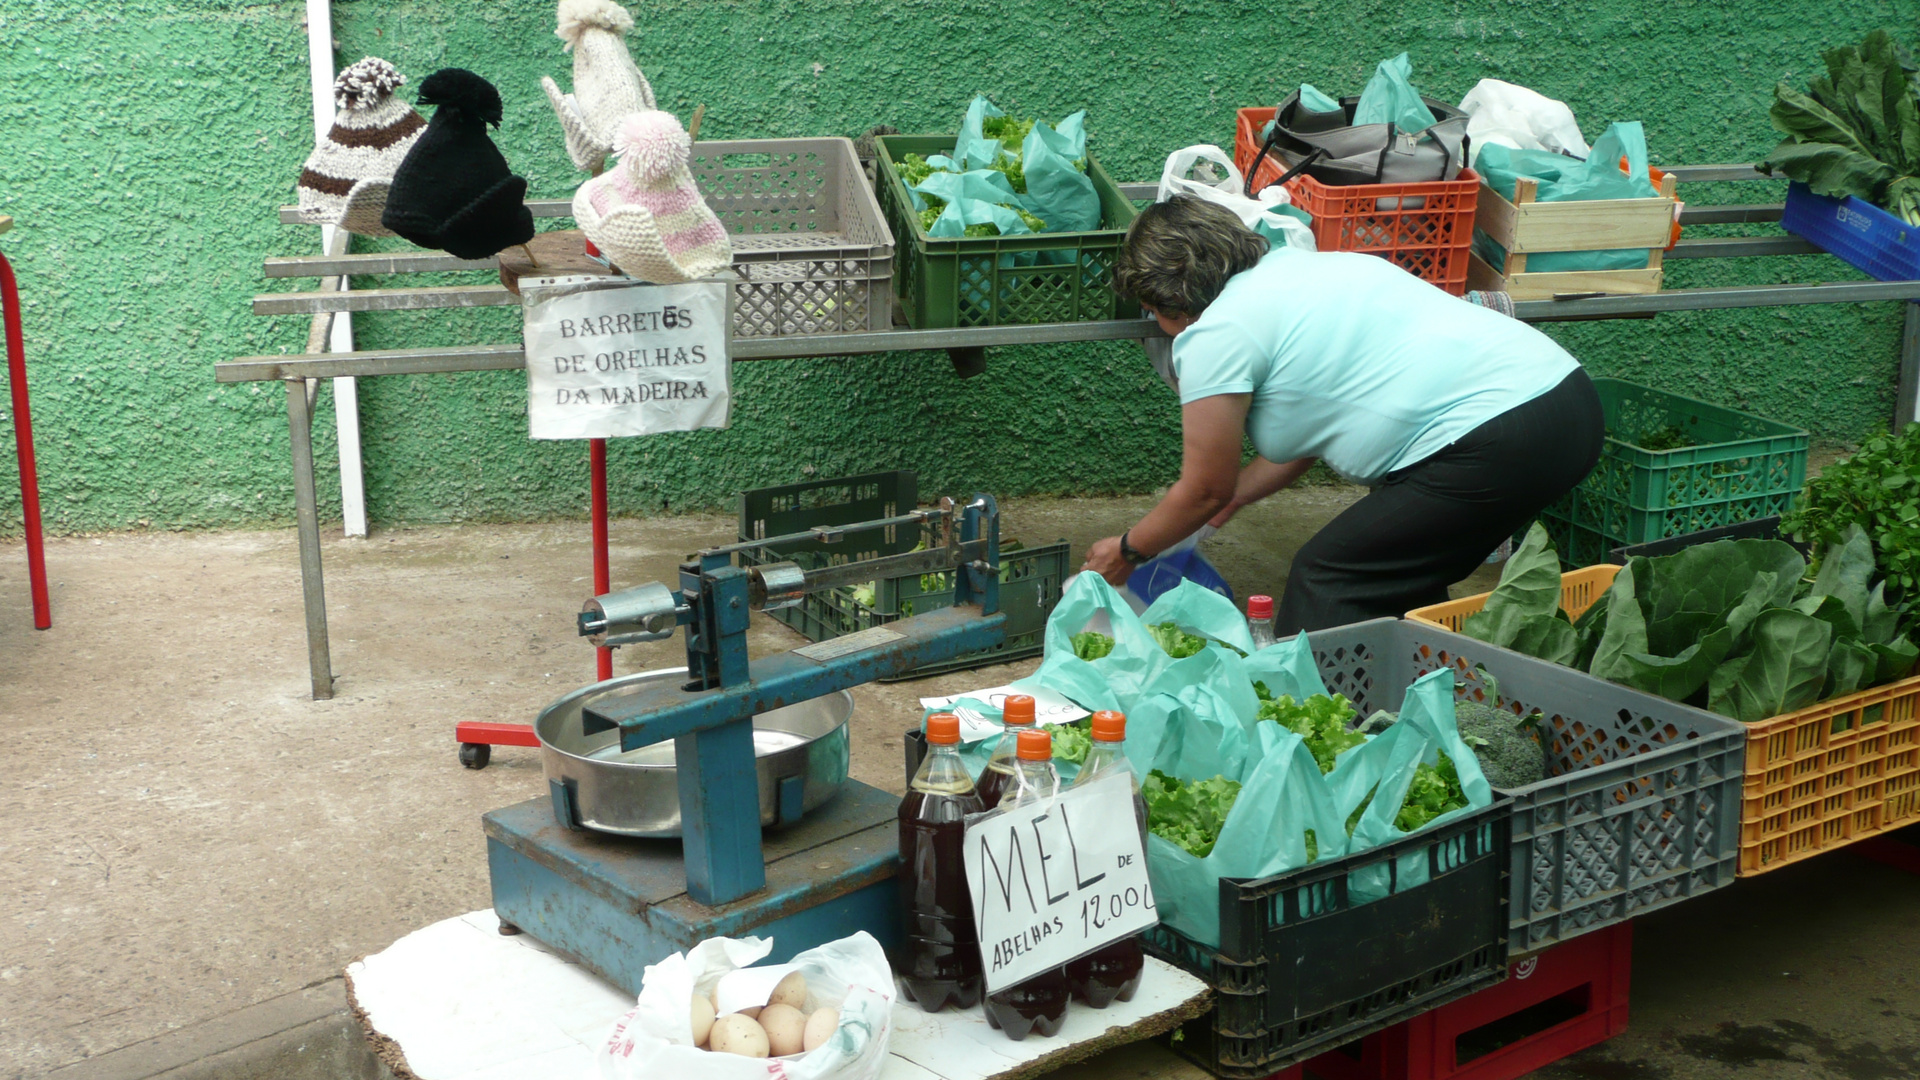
x=1261 y=214
x=1514 y=116
x=654 y=1041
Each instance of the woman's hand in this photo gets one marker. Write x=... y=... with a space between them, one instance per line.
x=1103 y=558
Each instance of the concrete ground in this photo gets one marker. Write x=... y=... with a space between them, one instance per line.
x=191 y=850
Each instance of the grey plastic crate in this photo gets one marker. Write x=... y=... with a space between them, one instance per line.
x=1643 y=809
x=810 y=248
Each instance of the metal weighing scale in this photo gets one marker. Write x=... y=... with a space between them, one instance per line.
x=617 y=904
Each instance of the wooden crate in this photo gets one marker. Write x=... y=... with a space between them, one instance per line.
x=1525 y=226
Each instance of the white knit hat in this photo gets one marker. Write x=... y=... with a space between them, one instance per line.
x=645 y=214
x=606 y=84
x=346 y=179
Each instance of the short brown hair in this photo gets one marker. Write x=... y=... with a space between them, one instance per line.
x=1179 y=254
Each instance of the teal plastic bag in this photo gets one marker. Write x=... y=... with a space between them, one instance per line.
x=1390 y=98
x=1059 y=192
x=1312 y=100
x=1281 y=798
x=1199 y=610
x=1112 y=682
x=973 y=150
x=1384 y=767
x=960 y=213
x=1210 y=714
x=985 y=185
x=1287 y=668
x=1565 y=179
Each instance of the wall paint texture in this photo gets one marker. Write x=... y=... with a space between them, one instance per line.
x=145 y=145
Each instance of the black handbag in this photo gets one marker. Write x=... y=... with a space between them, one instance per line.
x=1329 y=147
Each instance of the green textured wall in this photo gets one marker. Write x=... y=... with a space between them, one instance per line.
x=144 y=146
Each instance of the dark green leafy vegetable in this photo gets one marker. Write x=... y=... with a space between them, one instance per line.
x=1878 y=489
x=1857 y=129
x=1523 y=613
x=1189 y=814
x=1090 y=645
x=1320 y=721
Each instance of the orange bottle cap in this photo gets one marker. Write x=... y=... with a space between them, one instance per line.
x=943 y=729
x=1036 y=746
x=1017 y=710
x=1109 y=726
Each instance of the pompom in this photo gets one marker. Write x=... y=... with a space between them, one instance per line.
x=652 y=143
x=457 y=88
x=366 y=82
x=579 y=16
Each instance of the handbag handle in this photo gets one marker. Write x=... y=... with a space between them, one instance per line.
x=1273 y=136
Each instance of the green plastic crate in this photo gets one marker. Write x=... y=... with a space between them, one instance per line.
x=1000 y=280
x=1031 y=579
x=1742 y=467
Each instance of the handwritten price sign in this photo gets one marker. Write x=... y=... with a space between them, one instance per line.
x=1055 y=880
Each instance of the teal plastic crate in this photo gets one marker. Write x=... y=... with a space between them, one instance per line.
x=1740 y=467
x=1049 y=277
x=1031 y=578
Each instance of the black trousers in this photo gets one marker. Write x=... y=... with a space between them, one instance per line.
x=1430 y=524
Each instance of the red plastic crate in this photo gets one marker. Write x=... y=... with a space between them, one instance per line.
x=1551 y=1004
x=1426 y=228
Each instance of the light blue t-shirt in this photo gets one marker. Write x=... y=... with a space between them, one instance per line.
x=1359 y=363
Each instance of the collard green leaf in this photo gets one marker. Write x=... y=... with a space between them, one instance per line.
x=1549 y=637
x=1529 y=588
x=1626 y=624
x=1850 y=667
x=1688 y=594
x=1845 y=572
x=1786 y=670
x=1831 y=611
x=1882 y=621
x=1677 y=678
x=1896 y=659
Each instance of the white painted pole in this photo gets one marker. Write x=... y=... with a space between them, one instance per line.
x=346 y=392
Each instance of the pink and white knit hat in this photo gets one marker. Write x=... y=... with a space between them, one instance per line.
x=645 y=214
x=346 y=179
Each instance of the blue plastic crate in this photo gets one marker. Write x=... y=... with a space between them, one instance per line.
x=1856 y=231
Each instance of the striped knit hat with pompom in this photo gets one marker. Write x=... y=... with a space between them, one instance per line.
x=346 y=178
x=646 y=214
x=607 y=86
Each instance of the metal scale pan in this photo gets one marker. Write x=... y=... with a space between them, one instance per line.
x=800 y=753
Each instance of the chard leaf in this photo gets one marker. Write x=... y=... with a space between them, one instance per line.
x=1626 y=625
x=1850 y=667
x=1896 y=659
x=1529 y=589
x=1786 y=670
x=1844 y=574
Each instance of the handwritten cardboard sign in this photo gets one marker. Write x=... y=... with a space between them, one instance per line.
x=612 y=357
x=1057 y=879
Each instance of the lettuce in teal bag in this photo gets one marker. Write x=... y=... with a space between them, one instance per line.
x=1567 y=179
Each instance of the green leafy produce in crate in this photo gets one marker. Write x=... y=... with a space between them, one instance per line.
x=987 y=169
x=1321 y=721
x=1878 y=489
x=1735 y=626
x=1189 y=813
x=1856 y=131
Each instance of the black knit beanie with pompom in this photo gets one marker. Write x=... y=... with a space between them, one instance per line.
x=454 y=190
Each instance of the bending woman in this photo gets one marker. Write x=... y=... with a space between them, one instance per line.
x=1463 y=422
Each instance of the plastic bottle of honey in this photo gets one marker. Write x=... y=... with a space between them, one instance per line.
x=1017 y=715
x=940 y=957
x=1112 y=972
x=1039 y=1004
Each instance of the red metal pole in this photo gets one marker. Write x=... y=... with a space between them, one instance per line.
x=602 y=573
x=23 y=438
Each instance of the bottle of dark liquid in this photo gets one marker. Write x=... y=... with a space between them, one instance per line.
x=1112 y=972
x=940 y=954
x=997 y=777
x=1040 y=1003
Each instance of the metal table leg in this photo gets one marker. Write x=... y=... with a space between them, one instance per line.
x=306 y=507
x=1906 y=400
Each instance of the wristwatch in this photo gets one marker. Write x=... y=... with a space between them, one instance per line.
x=1127 y=552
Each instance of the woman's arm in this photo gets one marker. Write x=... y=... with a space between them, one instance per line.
x=1259 y=479
x=1212 y=430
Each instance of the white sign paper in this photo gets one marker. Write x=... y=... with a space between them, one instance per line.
x=1055 y=880
x=1048 y=708
x=612 y=357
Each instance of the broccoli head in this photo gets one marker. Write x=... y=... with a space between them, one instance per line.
x=1510 y=750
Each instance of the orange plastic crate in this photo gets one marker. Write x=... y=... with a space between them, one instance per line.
x=1817 y=778
x=1426 y=228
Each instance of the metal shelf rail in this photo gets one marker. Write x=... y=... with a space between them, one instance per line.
x=302 y=373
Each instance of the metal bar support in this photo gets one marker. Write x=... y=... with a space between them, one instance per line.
x=307 y=509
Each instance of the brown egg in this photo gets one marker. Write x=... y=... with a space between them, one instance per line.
x=786 y=1029
x=791 y=990
x=737 y=1033
x=820 y=1027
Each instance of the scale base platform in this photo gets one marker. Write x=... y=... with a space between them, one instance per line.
x=616 y=905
